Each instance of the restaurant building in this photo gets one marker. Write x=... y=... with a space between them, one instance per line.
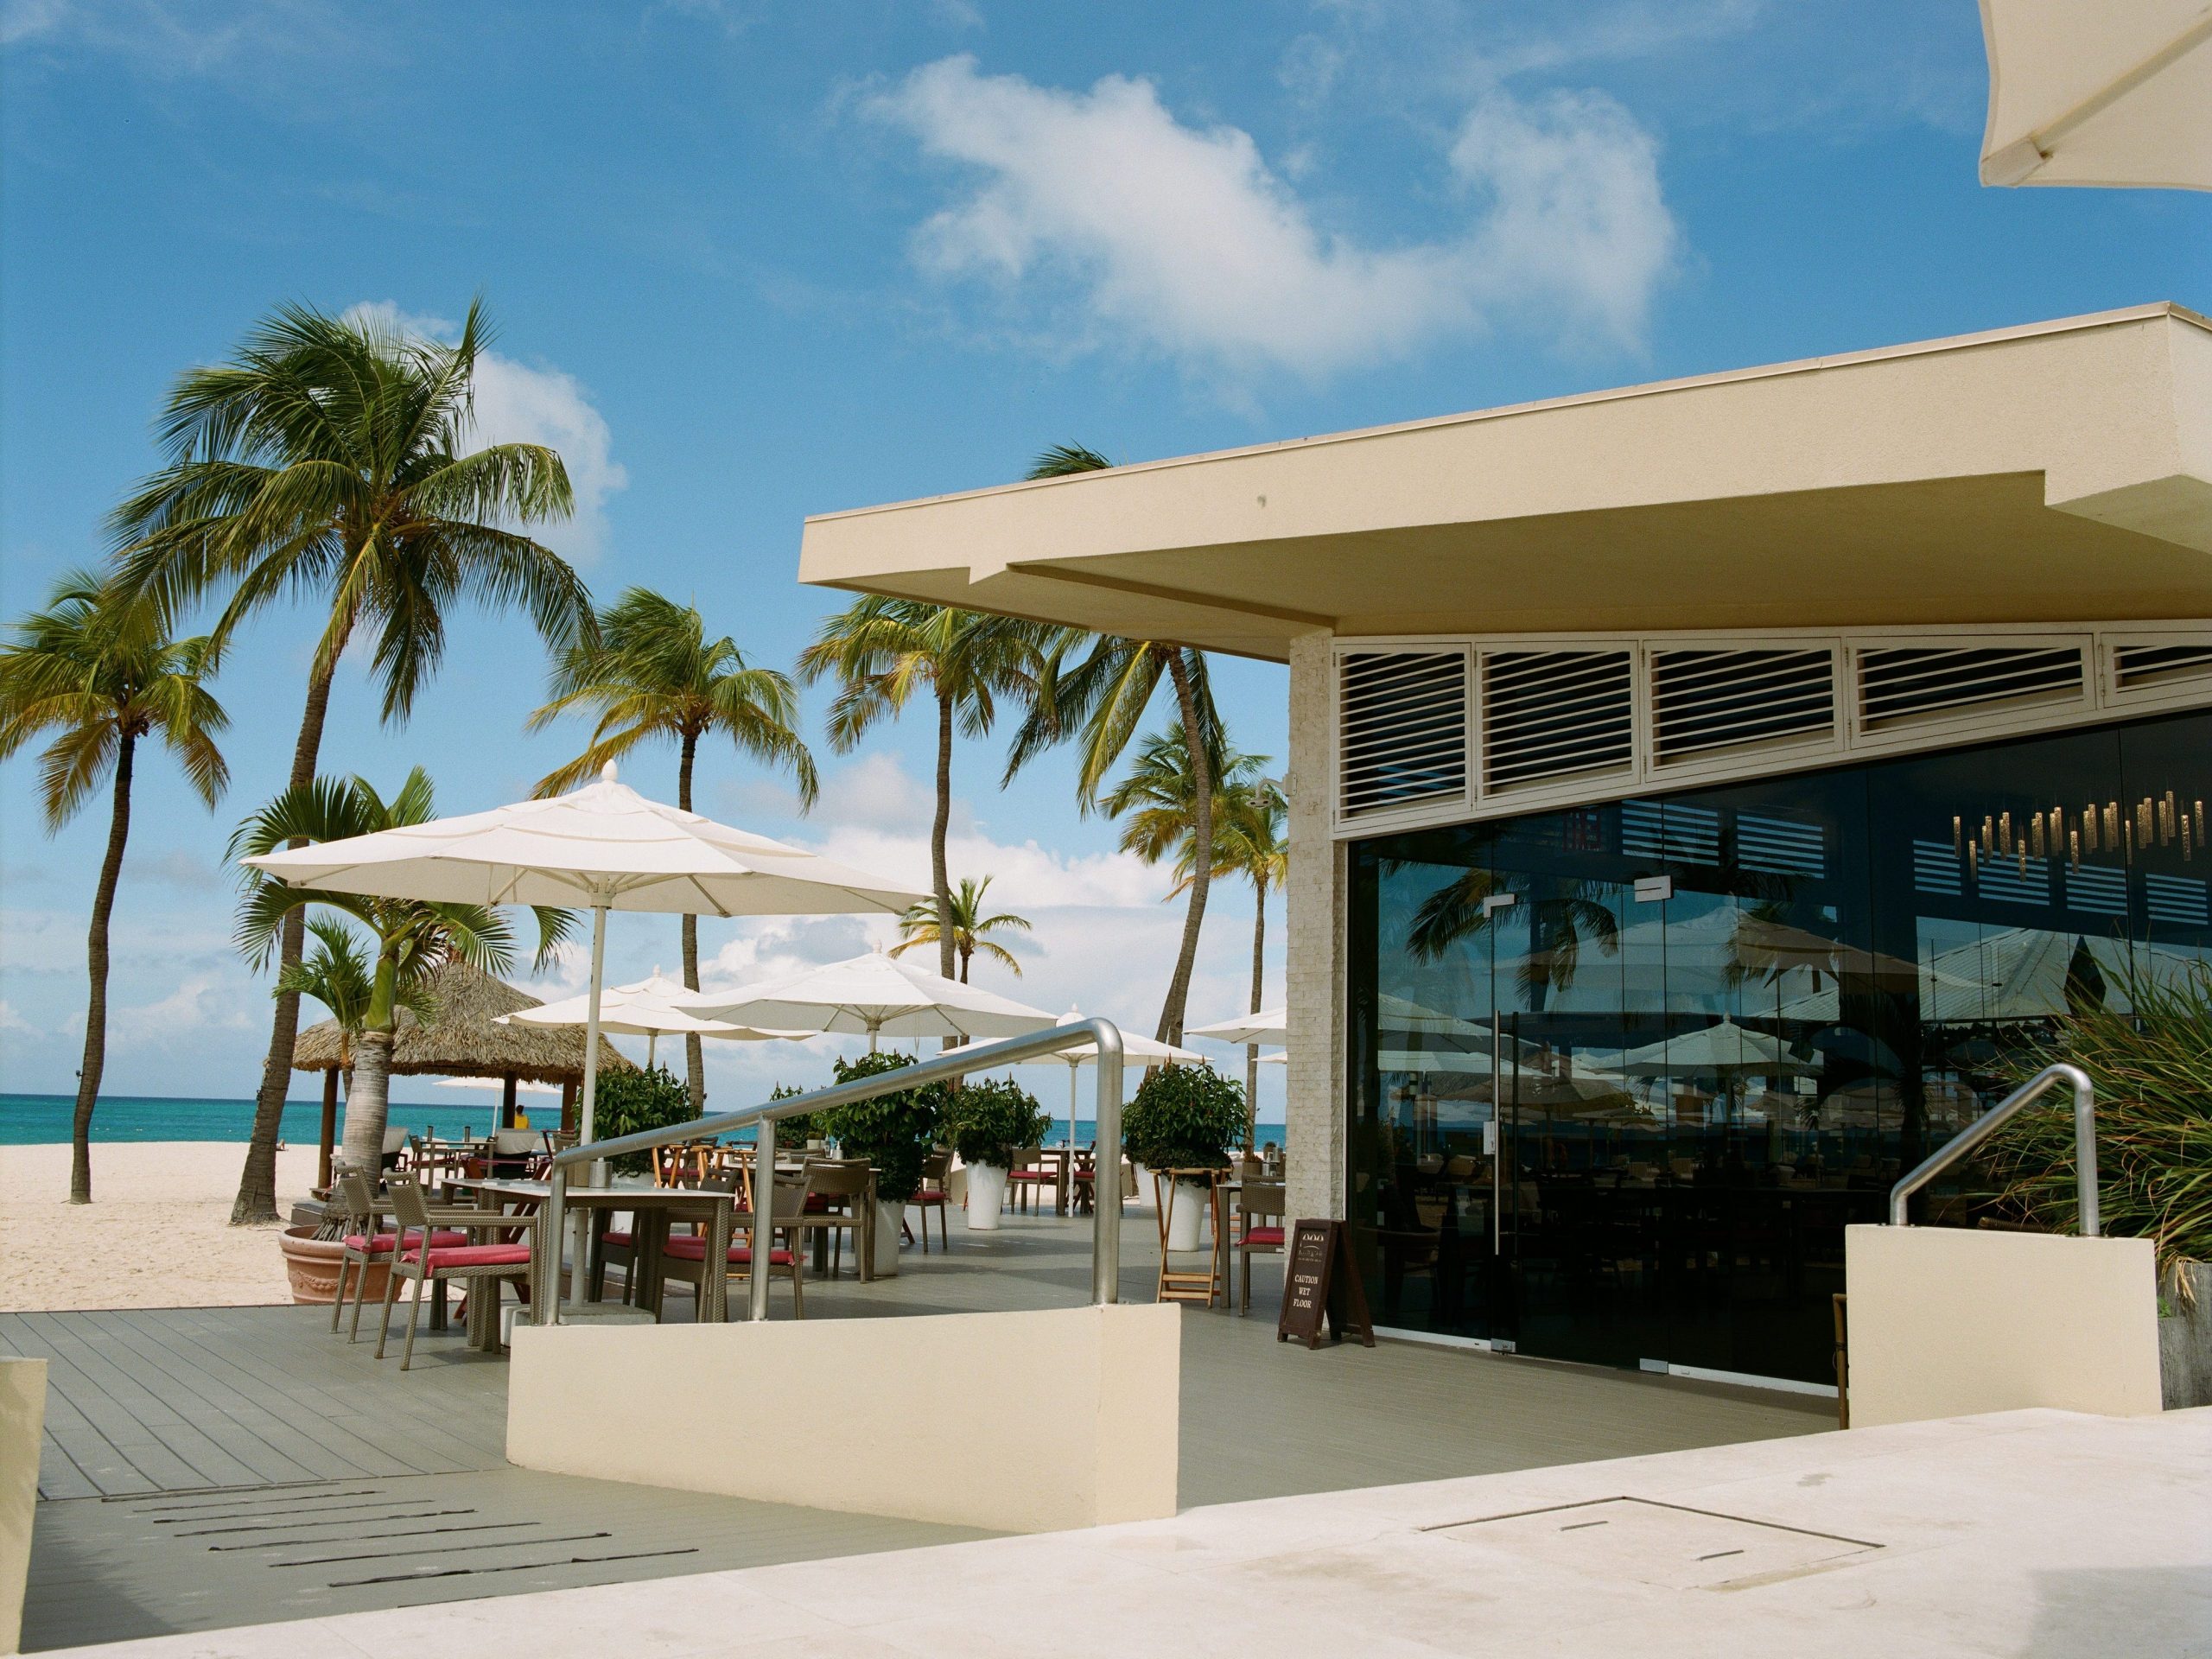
x=1702 y=793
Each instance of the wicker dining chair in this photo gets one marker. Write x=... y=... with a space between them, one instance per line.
x=685 y=1256
x=482 y=1267
x=363 y=1244
x=1260 y=1208
x=937 y=1170
x=841 y=1196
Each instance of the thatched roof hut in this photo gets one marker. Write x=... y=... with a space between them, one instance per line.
x=461 y=1039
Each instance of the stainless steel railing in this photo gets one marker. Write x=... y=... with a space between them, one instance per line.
x=1106 y=1209
x=1962 y=1144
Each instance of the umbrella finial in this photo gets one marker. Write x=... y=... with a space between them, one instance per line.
x=607 y=773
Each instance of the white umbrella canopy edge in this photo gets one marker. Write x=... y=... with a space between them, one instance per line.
x=2106 y=95
x=1148 y=1049
x=1268 y=1026
x=874 y=996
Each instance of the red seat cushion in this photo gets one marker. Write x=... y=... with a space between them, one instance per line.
x=1033 y=1175
x=693 y=1249
x=475 y=1255
x=928 y=1195
x=817 y=1203
x=616 y=1236
x=382 y=1243
x=1263 y=1235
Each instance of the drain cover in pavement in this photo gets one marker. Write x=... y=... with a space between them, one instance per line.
x=1660 y=1544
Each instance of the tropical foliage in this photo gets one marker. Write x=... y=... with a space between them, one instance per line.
x=883 y=652
x=339 y=972
x=993 y=1119
x=94 y=674
x=651 y=676
x=1184 y=1117
x=329 y=461
x=630 y=1102
x=413 y=937
x=2152 y=1072
x=971 y=928
x=894 y=1132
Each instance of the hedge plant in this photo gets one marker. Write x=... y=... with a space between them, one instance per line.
x=992 y=1120
x=625 y=1103
x=793 y=1133
x=894 y=1132
x=1184 y=1117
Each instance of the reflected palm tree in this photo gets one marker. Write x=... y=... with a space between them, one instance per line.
x=1561 y=922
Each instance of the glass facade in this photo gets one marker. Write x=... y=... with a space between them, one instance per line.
x=1621 y=1074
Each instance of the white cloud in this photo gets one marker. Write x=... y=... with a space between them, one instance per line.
x=1185 y=240
x=172 y=39
x=177 y=869
x=12 y=1020
x=200 y=1001
x=518 y=403
x=874 y=791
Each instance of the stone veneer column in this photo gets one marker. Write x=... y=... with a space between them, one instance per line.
x=1316 y=891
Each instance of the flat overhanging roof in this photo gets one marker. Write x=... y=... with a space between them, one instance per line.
x=2060 y=471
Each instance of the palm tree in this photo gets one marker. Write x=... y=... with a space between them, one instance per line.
x=100 y=671
x=327 y=460
x=1101 y=701
x=339 y=973
x=414 y=936
x=651 y=676
x=883 y=651
x=1252 y=812
x=971 y=928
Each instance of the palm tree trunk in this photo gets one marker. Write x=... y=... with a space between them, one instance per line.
x=694 y=1057
x=368 y=1100
x=256 y=1198
x=1179 y=989
x=1259 y=991
x=88 y=1076
x=939 y=881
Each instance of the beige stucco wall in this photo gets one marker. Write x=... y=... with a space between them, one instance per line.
x=1948 y=1322
x=1018 y=1422
x=1314 y=1110
x=23 y=1423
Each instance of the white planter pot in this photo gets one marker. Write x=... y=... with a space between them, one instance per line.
x=1186 y=1217
x=889 y=1218
x=986 y=1198
x=1143 y=1178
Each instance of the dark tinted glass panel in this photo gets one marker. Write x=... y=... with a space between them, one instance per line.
x=1623 y=1074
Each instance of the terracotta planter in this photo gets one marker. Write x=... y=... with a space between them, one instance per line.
x=311 y=1264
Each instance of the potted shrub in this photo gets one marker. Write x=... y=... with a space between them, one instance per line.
x=991 y=1120
x=799 y=1132
x=625 y=1103
x=1185 y=1117
x=895 y=1133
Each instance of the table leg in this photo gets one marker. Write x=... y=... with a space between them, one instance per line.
x=713 y=1300
x=648 y=1231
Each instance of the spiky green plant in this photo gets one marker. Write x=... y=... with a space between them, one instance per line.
x=2150 y=1060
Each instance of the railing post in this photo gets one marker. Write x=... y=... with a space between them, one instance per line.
x=2085 y=1156
x=549 y=1241
x=1961 y=1145
x=764 y=1218
x=1106 y=1174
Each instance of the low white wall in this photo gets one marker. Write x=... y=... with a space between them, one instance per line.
x=1948 y=1322
x=1018 y=1422
x=22 y=1425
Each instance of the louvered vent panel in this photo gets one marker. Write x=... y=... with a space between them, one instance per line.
x=1706 y=702
x=1904 y=685
x=1551 y=714
x=2142 y=668
x=1403 y=730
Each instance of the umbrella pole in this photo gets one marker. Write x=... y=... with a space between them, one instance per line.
x=652 y=1048
x=580 y=1280
x=1074 y=1066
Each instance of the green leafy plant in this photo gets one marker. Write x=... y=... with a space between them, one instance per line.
x=628 y=1102
x=1184 y=1117
x=2152 y=1069
x=793 y=1133
x=993 y=1119
x=894 y=1132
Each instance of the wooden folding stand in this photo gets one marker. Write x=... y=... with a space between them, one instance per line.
x=1183 y=1284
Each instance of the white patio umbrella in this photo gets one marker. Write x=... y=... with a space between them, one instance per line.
x=645 y=1008
x=1268 y=1026
x=1723 y=1050
x=875 y=995
x=523 y=1085
x=603 y=845
x=1144 y=1050
x=2108 y=94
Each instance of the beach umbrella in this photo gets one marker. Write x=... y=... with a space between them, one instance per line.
x=2109 y=94
x=874 y=995
x=1145 y=1051
x=521 y=1088
x=1268 y=1026
x=603 y=845
x=1723 y=1050
x=645 y=1008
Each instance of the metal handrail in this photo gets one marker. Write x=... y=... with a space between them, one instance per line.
x=1960 y=1145
x=1106 y=1218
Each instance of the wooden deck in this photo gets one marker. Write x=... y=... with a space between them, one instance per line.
x=220 y=1467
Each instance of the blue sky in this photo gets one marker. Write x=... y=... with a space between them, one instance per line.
x=752 y=261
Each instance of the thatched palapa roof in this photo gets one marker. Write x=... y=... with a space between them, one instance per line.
x=460 y=1039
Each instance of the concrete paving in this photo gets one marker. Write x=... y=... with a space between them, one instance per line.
x=2033 y=1533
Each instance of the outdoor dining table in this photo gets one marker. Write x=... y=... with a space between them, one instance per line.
x=654 y=1208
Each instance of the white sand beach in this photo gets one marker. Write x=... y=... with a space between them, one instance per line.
x=156 y=1235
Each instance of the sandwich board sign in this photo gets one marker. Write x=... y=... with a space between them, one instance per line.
x=1320 y=1281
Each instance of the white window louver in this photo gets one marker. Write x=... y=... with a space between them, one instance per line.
x=1401 y=730
x=1554 y=715
x=1905 y=685
x=1707 y=700
x=2143 y=668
